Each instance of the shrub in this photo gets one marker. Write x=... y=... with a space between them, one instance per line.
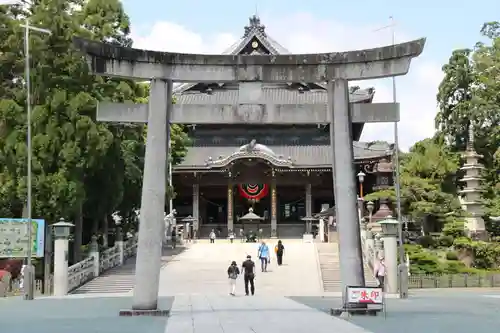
x=451 y=255
x=453 y=267
x=425 y=262
x=445 y=241
x=454 y=229
x=426 y=241
x=484 y=255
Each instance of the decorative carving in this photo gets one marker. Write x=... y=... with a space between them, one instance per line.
x=249 y=147
x=273 y=201
x=254 y=24
x=230 y=204
x=384 y=166
x=369 y=167
x=249 y=151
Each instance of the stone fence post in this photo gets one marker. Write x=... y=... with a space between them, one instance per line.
x=94 y=252
x=120 y=244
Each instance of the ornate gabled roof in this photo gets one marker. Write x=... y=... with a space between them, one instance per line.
x=285 y=156
x=256 y=40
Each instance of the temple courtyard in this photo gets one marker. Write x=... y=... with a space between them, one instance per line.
x=194 y=287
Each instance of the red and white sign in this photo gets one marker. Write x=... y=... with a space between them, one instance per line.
x=365 y=295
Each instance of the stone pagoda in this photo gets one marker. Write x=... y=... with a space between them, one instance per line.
x=471 y=195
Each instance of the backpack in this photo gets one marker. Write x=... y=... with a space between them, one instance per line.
x=232 y=273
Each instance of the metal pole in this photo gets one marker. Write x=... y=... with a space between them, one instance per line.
x=403 y=275
x=28 y=282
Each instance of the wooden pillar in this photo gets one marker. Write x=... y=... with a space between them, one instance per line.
x=274 y=210
x=196 y=210
x=308 y=207
x=230 y=223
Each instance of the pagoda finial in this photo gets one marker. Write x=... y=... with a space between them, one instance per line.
x=470 y=143
x=254 y=25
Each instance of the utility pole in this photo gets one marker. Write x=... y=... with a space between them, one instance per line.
x=29 y=271
x=403 y=269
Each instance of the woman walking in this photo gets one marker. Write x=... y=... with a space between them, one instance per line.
x=380 y=273
x=279 y=249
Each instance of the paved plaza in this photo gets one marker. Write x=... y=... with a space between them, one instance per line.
x=194 y=287
x=202 y=270
x=430 y=311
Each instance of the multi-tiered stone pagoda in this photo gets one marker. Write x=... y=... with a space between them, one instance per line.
x=471 y=195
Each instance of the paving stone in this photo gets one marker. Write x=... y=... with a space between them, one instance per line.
x=257 y=314
x=202 y=268
x=429 y=311
x=77 y=315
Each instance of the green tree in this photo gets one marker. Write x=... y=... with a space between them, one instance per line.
x=428 y=174
x=469 y=93
x=83 y=170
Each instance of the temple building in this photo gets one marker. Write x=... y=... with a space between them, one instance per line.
x=284 y=172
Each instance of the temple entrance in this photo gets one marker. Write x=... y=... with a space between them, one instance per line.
x=255 y=196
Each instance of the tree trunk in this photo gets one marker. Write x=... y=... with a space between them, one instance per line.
x=105 y=231
x=77 y=242
x=95 y=227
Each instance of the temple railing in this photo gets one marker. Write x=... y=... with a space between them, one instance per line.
x=99 y=262
x=81 y=272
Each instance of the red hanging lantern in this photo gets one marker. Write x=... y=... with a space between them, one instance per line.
x=253 y=192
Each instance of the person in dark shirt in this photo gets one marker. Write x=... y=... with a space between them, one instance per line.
x=232 y=274
x=280 y=250
x=174 y=238
x=248 y=269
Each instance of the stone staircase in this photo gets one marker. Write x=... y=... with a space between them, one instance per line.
x=119 y=279
x=328 y=254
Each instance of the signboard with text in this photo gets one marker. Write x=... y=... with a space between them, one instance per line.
x=365 y=295
x=14 y=238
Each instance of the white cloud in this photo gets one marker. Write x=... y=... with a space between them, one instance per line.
x=416 y=91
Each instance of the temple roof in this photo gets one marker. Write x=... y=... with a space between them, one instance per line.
x=254 y=41
x=296 y=156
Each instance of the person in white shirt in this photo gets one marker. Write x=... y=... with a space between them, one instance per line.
x=379 y=271
x=212 y=236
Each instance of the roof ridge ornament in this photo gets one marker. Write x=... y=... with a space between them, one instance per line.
x=254 y=25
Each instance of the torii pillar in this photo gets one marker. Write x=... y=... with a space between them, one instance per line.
x=336 y=68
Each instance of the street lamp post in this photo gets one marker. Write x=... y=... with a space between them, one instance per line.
x=61 y=232
x=361 y=178
x=29 y=270
x=403 y=270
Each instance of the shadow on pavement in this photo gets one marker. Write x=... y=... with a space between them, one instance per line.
x=168 y=254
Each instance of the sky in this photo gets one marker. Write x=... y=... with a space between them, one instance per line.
x=200 y=26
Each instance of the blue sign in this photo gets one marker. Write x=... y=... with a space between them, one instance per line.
x=14 y=238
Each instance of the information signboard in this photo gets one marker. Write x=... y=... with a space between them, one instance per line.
x=365 y=295
x=14 y=238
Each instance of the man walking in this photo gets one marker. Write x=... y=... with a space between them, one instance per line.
x=263 y=254
x=248 y=269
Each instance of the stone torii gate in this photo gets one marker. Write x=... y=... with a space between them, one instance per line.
x=163 y=68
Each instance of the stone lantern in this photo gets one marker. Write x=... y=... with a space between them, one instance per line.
x=189 y=232
x=61 y=231
x=308 y=236
x=389 y=237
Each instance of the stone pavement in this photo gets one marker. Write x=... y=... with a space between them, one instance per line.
x=432 y=311
x=258 y=314
x=76 y=314
x=202 y=268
